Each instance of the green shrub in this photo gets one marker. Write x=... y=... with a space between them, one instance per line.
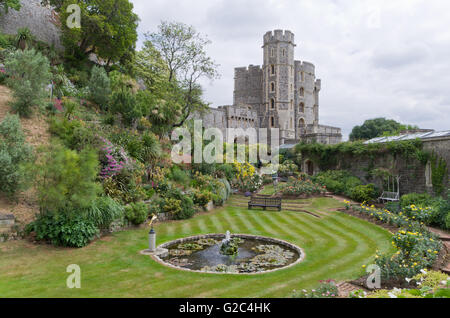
x=202 y=198
x=66 y=179
x=3 y=77
x=14 y=154
x=179 y=176
x=99 y=87
x=74 y=134
x=364 y=193
x=338 y=181
x=442 y=213
x=104 y=211
x=125 y=103
x=29 y=74
x=422 y=200
x=64 y=229
x=136 y=213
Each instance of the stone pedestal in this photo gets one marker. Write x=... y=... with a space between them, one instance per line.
x=7 y=221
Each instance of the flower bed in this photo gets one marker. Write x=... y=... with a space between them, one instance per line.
x=300 y=187
x=417 y=248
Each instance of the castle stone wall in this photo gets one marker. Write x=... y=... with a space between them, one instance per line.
x=42 y=21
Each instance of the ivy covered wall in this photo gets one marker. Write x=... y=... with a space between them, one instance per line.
x=422 y=165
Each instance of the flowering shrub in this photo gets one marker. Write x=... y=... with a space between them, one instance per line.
x=424 y=215
x=287 y=168
x=386 y=216
x=417 y=248
x=326 y=289
x=114 y=159
x=296 y=187
x=247 y=180
x=202 y=198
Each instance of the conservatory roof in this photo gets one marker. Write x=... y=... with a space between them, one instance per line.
x=421 y=135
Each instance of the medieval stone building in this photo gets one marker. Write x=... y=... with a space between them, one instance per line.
x=282 y=93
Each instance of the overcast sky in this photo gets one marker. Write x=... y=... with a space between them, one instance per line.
x=376 y=58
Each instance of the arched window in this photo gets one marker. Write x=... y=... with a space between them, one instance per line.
x=272 y=122
x=301 y=126
x=301 y=108
x=302 y=91
x=272 y=69
x=284 y=52
x=272 y=103
x=272 y=87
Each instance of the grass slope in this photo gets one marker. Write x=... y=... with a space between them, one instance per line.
x=336 y=246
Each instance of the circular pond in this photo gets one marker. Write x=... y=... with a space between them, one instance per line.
x=251 y=254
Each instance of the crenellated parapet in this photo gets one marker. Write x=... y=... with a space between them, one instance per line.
x=279 y=36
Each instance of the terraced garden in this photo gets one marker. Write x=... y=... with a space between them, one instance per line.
x=336 y=246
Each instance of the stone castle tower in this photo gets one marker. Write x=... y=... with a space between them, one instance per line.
x=284 y=92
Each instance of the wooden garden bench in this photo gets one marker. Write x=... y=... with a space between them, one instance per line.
x=265 y=202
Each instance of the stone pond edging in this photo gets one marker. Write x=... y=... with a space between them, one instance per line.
x=163 y=249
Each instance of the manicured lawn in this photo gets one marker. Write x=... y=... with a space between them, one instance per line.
x=336 y=246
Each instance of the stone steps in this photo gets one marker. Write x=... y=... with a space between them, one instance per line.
x=443 y=235
x=285 y=209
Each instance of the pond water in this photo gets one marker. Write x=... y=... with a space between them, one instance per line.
x=255 y=255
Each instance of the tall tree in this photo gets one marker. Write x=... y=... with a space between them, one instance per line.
x=5 y=5
x=108 y=28
x=377 y=127
x=150 y=67
x=183 y=50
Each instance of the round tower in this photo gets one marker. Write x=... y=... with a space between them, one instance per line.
x=279 y=83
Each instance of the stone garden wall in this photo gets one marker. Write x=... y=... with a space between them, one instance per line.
x=415 y=176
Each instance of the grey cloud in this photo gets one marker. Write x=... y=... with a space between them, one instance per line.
x=399 y=69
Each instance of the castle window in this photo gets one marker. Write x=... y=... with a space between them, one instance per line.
x=272 y=69
x=272 y=103
x=302 y=92
x=272 y=122
x=284 y=52
x=292 y=106
x=302 y=76
x=290 y=124
x=272 y=52
x=272 y=87
x=301 y=108
x=301 y=126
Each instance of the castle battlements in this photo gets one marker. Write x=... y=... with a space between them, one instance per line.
x=279 y=36
x=306 y=67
